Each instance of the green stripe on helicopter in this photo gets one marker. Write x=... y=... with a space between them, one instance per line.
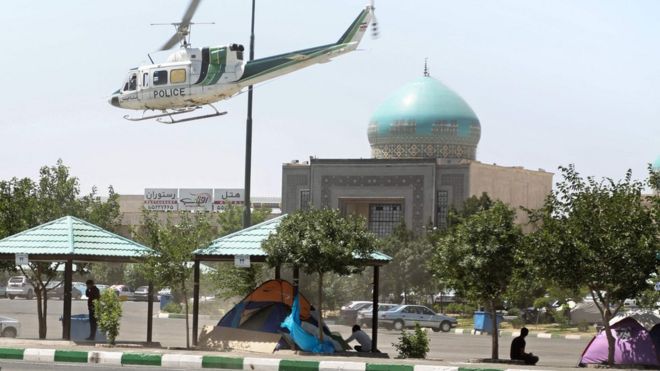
x=353 y=28
x=217 y=65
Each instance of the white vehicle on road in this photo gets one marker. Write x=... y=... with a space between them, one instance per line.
x=19 y=286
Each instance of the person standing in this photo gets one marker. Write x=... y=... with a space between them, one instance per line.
x=92 y=294
x=518 y=349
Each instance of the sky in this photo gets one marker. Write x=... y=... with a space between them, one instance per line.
x=552 y=82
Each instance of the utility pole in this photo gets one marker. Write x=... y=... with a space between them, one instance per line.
x=247 y=216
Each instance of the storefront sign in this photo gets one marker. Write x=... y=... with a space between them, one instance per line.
x=161 y=199
x=196 y=199
x=227 y=196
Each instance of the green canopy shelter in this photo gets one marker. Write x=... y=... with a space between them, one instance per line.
x=247 y=242
x=70 y=239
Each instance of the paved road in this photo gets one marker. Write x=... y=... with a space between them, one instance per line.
x=448 y=347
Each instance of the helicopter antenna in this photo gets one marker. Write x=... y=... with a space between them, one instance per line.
x=182 y=29
x=151 y=59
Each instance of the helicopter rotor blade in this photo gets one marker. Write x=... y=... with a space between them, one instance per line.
x=183 y=27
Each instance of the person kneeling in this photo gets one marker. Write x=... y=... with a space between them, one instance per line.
x=362 y=338
x=518 y=349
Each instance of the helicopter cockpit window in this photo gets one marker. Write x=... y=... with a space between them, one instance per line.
x=132 y=82
x=145 y=80
x=178 y=76
x=160 y=77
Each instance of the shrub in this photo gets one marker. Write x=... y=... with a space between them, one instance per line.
x=517 y=323
x=413 y=345
x=173 y=307
x=513 y=311
x=108 y=314
x=583 y=326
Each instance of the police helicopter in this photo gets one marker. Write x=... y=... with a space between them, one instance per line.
x=193 y=78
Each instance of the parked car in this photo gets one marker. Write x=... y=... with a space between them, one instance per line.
x=407 y=315
x=3 y=291
x=124 y=292
x=19 y=286
x=365 y=315
x=9 y=327
x=348 y=313
x=142 y=293
x=80 y=286
x=56 y=290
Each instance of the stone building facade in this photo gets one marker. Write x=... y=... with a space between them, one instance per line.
x=424 y=141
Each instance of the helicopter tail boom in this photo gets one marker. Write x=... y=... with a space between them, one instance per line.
x=263 y=69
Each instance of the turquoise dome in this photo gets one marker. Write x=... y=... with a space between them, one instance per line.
x=424 y=119
x=656 y=164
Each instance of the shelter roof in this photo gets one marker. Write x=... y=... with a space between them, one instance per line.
x=71 y=236
x=248 y=242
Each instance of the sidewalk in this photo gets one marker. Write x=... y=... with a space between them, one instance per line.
x=540 y=335
x=66 y=351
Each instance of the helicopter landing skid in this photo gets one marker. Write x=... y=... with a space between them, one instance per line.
x=187 y=110
x=174 y=121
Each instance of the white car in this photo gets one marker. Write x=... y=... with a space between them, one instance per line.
x=9 y=327
x=365 y=315
x=19 y=286
x=408 y=315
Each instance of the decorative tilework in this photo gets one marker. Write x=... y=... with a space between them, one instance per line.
x=415 y=181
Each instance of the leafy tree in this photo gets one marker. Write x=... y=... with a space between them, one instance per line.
x=476 y=257
x=232 y=281
x=408 y=271
x=321 y=241
x=25 y=203
x=600 y=235
x=108 y=312
x=471 y=206
x=173 y=246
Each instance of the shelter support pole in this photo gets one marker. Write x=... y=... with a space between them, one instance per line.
x=374 y=318
x=195 y=324
x=150 y=312
x=296 y=279
x=66 y=311
x=277 y=272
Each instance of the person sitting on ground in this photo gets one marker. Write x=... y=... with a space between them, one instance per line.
x=518 y=349
x=362 y=338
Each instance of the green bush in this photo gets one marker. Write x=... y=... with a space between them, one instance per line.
x=513 y=312
x=108 y=314
x=173 y=307
x=458 y=308
x=583 y=326
x=413 y=345
x=517 y=323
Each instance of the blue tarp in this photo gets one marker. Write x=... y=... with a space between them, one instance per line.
x=303 y=339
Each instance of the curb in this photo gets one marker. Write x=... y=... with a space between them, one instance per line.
x=540 y=335
x=178 y=315
x=191 y=361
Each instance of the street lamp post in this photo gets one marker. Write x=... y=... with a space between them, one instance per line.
x=247 y=217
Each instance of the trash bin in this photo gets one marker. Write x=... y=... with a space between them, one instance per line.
x=164 y=300
x=483 y=321
x=80 y=328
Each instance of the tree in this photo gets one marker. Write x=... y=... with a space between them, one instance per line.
x=321 y=241
x=173 y=246
x=476 y=258
x=229 y=280
x=25 y=203
x=408 y=271
x=598 y=234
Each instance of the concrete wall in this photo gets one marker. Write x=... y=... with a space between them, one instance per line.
x=513 y=185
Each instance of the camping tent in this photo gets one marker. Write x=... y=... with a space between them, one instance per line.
x=265 y=308
x=634 y=343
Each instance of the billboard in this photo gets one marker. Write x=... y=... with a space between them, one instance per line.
x=161 y=199
x=200 y=199
x=225 y=196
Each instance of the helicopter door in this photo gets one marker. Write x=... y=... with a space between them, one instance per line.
x=144 y=86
